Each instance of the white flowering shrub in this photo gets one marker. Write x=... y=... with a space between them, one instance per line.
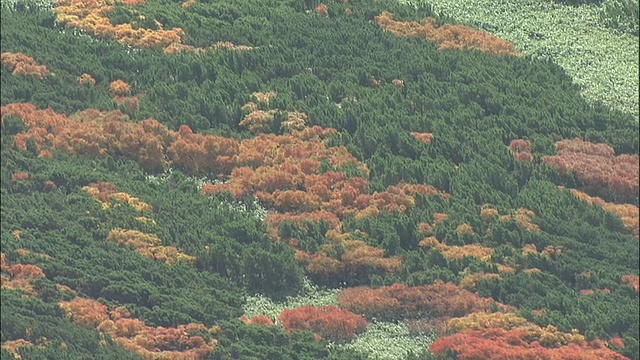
x=41 y=4
x=390 y=341
x=381 y=340
x=310 y=295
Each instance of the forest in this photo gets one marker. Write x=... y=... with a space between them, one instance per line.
x=316 y=179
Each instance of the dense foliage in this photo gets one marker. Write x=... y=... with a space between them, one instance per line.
x=596 y=44
x=163 y=163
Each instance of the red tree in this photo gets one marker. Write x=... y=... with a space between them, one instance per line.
x=21 y=64
x=521 y=149
x=439 y=299
x=597 y=167
x=119 y=88
x=448 y=36
x=631 y=280
x=426 y=137
x=499 y=344
x=323 y=10
x=327 y=321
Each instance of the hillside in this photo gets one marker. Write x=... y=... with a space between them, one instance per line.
x=351 y=179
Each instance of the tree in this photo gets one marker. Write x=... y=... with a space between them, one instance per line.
x=178 y=342
x=439 y=299
x=497 y=343
x=119 y=88
x=448 y=36
x=22 y=65
x=327 y=321
x=598 y=168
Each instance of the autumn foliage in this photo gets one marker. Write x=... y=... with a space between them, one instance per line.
x=175 y=48
x=201 y=154
x=425 y=229
x=257 y=120
x=13 y=345
x=504 y=335
x=188 y=3
x=296 y=121
x=282 y=171
x=439 y=299
x=448 y=36
x=133 y=334
x=149 y=245
x=398 y=84
x=488 y=213
x=597 y=167
x=227 y=45
x=130 y=102
x=439 y=217
x=516 y=344
x=330 y=322
x=119 y=88
x=523 y=216
x=458 y=252
x=323 y=10
x=357 y=260
x=264 y=97
x=22 y=65
x=617 y=341
x=86 y=79
x=107 y=194
x=482 y=320
x=93 y=133
x=552 y=251
x=470 y=281
x=271 y=166
x=20 y=176
x=291 y=183
x=425 y=137
x=18 y=276
x=521 y=150
x=257 y=320
x=86 y=312
x=91 y=16
x=631 y=280
x=548 y=336
x=628 y=213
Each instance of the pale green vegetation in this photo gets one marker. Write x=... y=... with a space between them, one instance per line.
x=381 y=340
x=623 y=15
x=603 y=60
x=310 y=295
x=586 y=41
x=389 y=341
x=42 y=4
x=254 y=208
